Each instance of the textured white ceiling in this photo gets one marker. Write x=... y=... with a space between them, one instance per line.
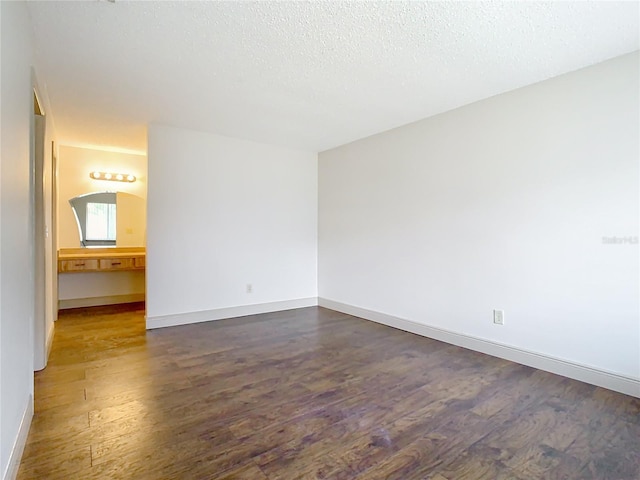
x=302 y=74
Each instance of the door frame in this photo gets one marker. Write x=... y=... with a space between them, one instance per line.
x=42 y=232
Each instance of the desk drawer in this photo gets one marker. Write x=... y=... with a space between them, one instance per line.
x=78 y=265
x=116 y=263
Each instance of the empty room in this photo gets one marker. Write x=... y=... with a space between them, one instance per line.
x=320 y=240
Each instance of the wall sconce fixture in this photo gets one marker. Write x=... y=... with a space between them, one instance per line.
x=114 y=177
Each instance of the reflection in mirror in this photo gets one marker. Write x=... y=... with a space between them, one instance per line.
x=131 y=231
x=109 y=219
x=96 y=218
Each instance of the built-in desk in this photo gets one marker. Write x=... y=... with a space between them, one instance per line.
x=108 y=259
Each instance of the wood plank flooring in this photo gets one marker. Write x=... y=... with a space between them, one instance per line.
x=307 y=394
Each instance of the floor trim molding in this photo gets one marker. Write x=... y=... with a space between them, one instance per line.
x=21 y=440
x=99 y=301
x=583 y=373
x=161 y=321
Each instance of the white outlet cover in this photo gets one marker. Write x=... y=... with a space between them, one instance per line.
x=498 y=317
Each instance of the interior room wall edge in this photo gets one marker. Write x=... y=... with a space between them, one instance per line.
x=541 y=361
x=186 y=318
x=20 y=443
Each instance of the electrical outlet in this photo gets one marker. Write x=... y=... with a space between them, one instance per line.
x=249 y=288
x=498 y=317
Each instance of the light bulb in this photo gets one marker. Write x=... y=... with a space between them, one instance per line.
x=119 y=177
x=107 y=176
x=131 y=178
x=96 y=175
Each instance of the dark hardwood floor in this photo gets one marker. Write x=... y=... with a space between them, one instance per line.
x=309 y=393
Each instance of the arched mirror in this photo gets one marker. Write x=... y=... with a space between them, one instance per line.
x=96 y=218
x=109 y=219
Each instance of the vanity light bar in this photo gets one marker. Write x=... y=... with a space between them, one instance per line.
x=114 y=177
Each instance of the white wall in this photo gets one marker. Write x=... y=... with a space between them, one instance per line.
x=16 y=240
x=91 y=289
x=499 y=204
x=224 y=213
x=74 y=166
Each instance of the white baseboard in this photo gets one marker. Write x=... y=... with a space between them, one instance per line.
x=583 y=373
x=99 y=301
x=161 y=321
x=21 y=440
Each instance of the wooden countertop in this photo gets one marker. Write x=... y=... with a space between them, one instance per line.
x=107 y=252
